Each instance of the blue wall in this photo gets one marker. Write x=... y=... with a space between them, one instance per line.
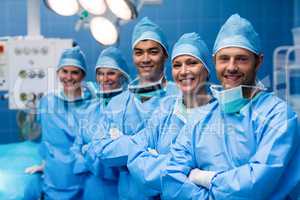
x=296 y=13
x=273 y=20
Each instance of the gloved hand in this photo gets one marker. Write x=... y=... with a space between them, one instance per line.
x=35 y=168
x=152 y=151
x=88 y=153
x=84 y=148
x=115 y=133
x=201 y=177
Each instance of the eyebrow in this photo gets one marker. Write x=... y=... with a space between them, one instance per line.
x=242 y=56
x=176 y=61
x=137 y=49
x=238 y=55
x=192 y=59
x=71 y=71
x=152 y=48
x=223 y=55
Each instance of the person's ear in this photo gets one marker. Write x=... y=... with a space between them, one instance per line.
x=165 y=54
x=258 y=61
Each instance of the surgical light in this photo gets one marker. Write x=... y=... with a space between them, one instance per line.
x=103 y=30
x=63 y=7
x=102 y=16
x=124 y=9
x=95 y=7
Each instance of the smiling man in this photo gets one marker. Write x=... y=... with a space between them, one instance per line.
x=247 y=147
x=149 y=57
x=237 y=66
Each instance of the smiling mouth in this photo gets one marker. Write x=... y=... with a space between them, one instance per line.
x=107 y=85
x=232 y=80
x=234 y=77
x=69 y=84
x=147 y=67
x=186 y=80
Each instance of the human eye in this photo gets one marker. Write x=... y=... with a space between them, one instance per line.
x=111 y=73
x=192 y=62
x=242 y=59
x=154 y=51
x=138 y=52
x=176 y=65
x=223 y=58
x=99 y=73
x=76 y=72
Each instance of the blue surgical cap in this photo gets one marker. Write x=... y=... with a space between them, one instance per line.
x=73 y=57
x=145 y=29
x=192 y=44
x=238 y=32
x=111 y=57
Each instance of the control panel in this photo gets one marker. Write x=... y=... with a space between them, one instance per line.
x=3 y=67
x=31 y=67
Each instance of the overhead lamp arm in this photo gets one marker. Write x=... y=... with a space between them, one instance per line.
x=140 y=3
x=33 y=18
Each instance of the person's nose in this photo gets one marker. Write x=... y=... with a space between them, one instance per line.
x=105 y=78
x=146 y=58
x=184 y=69
x=232 y=66
x=68 y=76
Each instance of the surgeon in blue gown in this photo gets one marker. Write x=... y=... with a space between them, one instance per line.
x=58 y=113
x=247 y=147
x=113 y=77
x=128 y=112
x=150 y=151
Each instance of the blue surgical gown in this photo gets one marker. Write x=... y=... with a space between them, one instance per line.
x=255 y=153
x=127 y=114
x=58 y=119
x=100 y=181
x=159 y=134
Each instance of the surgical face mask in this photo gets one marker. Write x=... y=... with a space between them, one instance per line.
x=96 y=91
x=106 y=96
x=232 y=100
x=110 y=93
x=146 y=90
